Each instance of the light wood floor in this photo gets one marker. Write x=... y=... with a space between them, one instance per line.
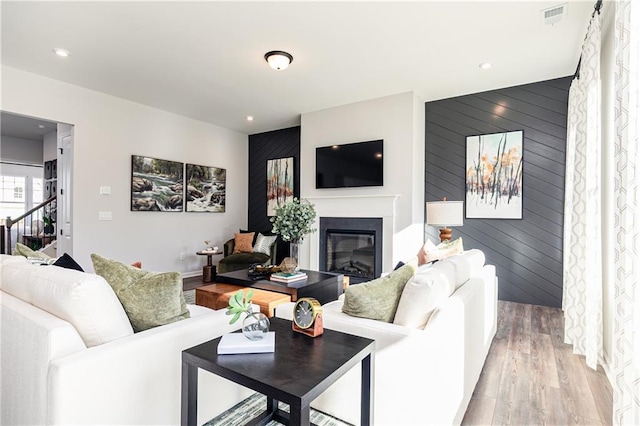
x=532 y=378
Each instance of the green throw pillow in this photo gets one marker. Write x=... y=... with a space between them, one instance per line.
x=377 y=299
x=149 y=298
x=22 y=250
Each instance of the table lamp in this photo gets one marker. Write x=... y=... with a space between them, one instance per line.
x=444 y=214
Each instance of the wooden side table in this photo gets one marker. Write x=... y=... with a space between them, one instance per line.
x=216 y=296
x=209 y=270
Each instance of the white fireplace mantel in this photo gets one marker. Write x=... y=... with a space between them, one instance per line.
x=382 y=206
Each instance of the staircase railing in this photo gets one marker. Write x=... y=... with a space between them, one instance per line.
x=35 y=227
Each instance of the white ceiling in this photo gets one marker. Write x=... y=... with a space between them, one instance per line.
x=205 y=59
x=17 y=126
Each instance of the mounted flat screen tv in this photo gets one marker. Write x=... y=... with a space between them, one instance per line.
x=350 y=165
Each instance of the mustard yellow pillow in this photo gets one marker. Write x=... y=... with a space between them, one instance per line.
x=243 y=243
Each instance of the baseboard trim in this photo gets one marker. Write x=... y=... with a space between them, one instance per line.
x=191 y=274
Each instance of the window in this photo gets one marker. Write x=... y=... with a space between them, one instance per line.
x=21 y=189
x=12 y=200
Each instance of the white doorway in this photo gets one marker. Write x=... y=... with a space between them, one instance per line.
x=37 y=143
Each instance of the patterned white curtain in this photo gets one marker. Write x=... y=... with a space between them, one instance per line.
x=582 y=274
x=626 y=358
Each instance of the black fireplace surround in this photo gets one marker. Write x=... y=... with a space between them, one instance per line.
x=351 y=246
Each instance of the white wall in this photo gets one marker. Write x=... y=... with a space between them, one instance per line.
x=108 y=130
x=50 y=146
x=399 y=121
x=18 y=150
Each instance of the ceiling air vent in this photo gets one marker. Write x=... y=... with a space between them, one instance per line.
x=554 y=14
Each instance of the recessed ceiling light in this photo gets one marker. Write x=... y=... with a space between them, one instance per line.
x=485 y=65
x=249 y=117
x=40 y=126
x=61 y=52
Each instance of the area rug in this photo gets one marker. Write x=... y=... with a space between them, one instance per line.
x=190 y=297
x=251 y=407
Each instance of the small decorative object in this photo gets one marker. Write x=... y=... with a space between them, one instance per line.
x=206 y=245
x=307 y=317
x=255 y=325
x=258 y=271
x=292 y=222
x=494 y=176
x=288 y=265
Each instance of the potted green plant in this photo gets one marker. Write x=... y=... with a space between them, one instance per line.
x=255 y=324
x=293 y=221
x=48 y=225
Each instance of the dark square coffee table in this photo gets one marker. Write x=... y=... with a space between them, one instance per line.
x=323 y=286
x=299 y=370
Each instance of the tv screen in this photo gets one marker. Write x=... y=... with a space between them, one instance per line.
x=349 y=165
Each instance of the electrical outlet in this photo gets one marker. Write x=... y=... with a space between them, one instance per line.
x=182 y=256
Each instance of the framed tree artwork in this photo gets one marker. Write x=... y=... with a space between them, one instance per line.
x=493 y=183
x=206 y=189
x=156 y=185
x=279 y=183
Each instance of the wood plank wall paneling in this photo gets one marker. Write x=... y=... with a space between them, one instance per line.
x=527 y=253
x=262 y=147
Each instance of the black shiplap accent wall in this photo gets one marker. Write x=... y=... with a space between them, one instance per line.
x=527 y=253
x=262 y=147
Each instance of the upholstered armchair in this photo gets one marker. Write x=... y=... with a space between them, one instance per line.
x=261 y=245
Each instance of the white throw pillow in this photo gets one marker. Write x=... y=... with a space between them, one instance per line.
x=85 y=300
x=444 y=250
x=422 y=295
x=13 y=277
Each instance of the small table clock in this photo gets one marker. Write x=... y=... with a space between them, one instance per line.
x=307 y=317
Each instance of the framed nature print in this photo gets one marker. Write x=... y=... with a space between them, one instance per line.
x=206 y=189
x=279 y=183
x=493 y=183
x=156 y=185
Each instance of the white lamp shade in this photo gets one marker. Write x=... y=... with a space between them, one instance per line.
x=444 y=213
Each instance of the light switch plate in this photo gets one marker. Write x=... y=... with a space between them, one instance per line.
x=104 y=215
x=105 y=190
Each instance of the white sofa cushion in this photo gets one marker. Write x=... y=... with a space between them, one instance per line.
x=466 y=265
x=84 y=300
x=14 y=277
x=423 y=293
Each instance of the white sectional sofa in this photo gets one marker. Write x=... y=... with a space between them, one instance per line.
x=422 y=375
x=69 y=356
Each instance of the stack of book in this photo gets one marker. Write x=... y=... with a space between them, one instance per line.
x=237 y=343
x=285 y=277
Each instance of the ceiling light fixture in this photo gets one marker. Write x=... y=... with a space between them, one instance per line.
x=278 y=60
x=61 y=52
x=249 y=117
x=485 y=65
